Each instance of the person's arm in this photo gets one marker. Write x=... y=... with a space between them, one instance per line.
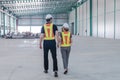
x=41 y=37
x=60 y=37
x=56 y=35
x=71 y=38
x=57 y=38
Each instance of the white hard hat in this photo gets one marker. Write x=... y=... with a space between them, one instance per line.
x=48 y=16
x=65 y=25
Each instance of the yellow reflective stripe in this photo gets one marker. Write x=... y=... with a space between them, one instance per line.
x=65 y=45
x=51 y=32
x=63 y=38
x=68 y=39
x=46 y=33
x=49 y=38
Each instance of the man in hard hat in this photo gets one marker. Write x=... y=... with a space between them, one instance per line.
x=48 y=33
x=66 y=40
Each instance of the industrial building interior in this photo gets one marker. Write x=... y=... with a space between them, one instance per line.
x=95 y=28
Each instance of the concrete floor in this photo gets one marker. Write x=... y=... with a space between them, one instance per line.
x=90 y=59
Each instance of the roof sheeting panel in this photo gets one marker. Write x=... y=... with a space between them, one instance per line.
x=31 y=7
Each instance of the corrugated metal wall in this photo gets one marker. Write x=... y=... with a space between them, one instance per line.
x=31 y=21
x=58 y=19
x=105 y=18
x=83 y=20
x=72 y=21
x=0 y=19
x=7 y=23
x=117 y=29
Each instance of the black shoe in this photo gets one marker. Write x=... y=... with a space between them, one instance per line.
x=66 y=71
x=45 y=71
x=55 y=74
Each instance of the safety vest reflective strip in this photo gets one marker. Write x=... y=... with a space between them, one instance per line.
x=48 y=28
x=65 y=39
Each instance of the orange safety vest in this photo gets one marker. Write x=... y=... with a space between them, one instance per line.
x=65 y=39
x=49 y=35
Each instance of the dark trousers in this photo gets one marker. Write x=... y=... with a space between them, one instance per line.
x=50 y=45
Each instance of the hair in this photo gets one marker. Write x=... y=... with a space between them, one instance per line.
x=62 y=29
x=66 y=29
x=48 y=20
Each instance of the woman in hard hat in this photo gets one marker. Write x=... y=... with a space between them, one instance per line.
x=66 y=40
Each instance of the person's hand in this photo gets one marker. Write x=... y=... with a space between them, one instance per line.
x=40 y=46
